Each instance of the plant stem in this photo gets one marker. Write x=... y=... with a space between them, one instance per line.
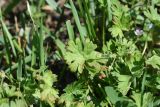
x=145 y=48
x=103 y=29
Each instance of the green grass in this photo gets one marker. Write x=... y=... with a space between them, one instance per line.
x=104 y=54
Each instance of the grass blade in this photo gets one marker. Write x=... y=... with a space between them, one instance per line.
x=52 y=3
x=76 y=17
x=89 y=21
x=61 y=47
x=15 y=65
x=19 y=70
x=8 y=36
x=70 y=30
x=8 y=53
x=109 y=10
x=34 y=49
x=41 y=48
x=92 y=6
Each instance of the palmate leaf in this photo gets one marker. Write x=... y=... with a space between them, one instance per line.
x=154 y=61
x=124 y=83
x=121 y=24
x=46 y=92
x=153 y=15
x=74 y=57
x=74 y=91
x=146 y=99
x=78 y=56
x=49 y=78
x=16 y=103
x=11 y=91
x=116 y=99
x=116 y=31
x=112 y=94
x=4 y=101
x=137 y=98
x=117 y=9
x=50 y=95
x=121 y=19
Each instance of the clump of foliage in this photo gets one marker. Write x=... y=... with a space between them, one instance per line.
x=113 y=49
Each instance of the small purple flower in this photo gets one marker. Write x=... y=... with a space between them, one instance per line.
x=138 y=32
